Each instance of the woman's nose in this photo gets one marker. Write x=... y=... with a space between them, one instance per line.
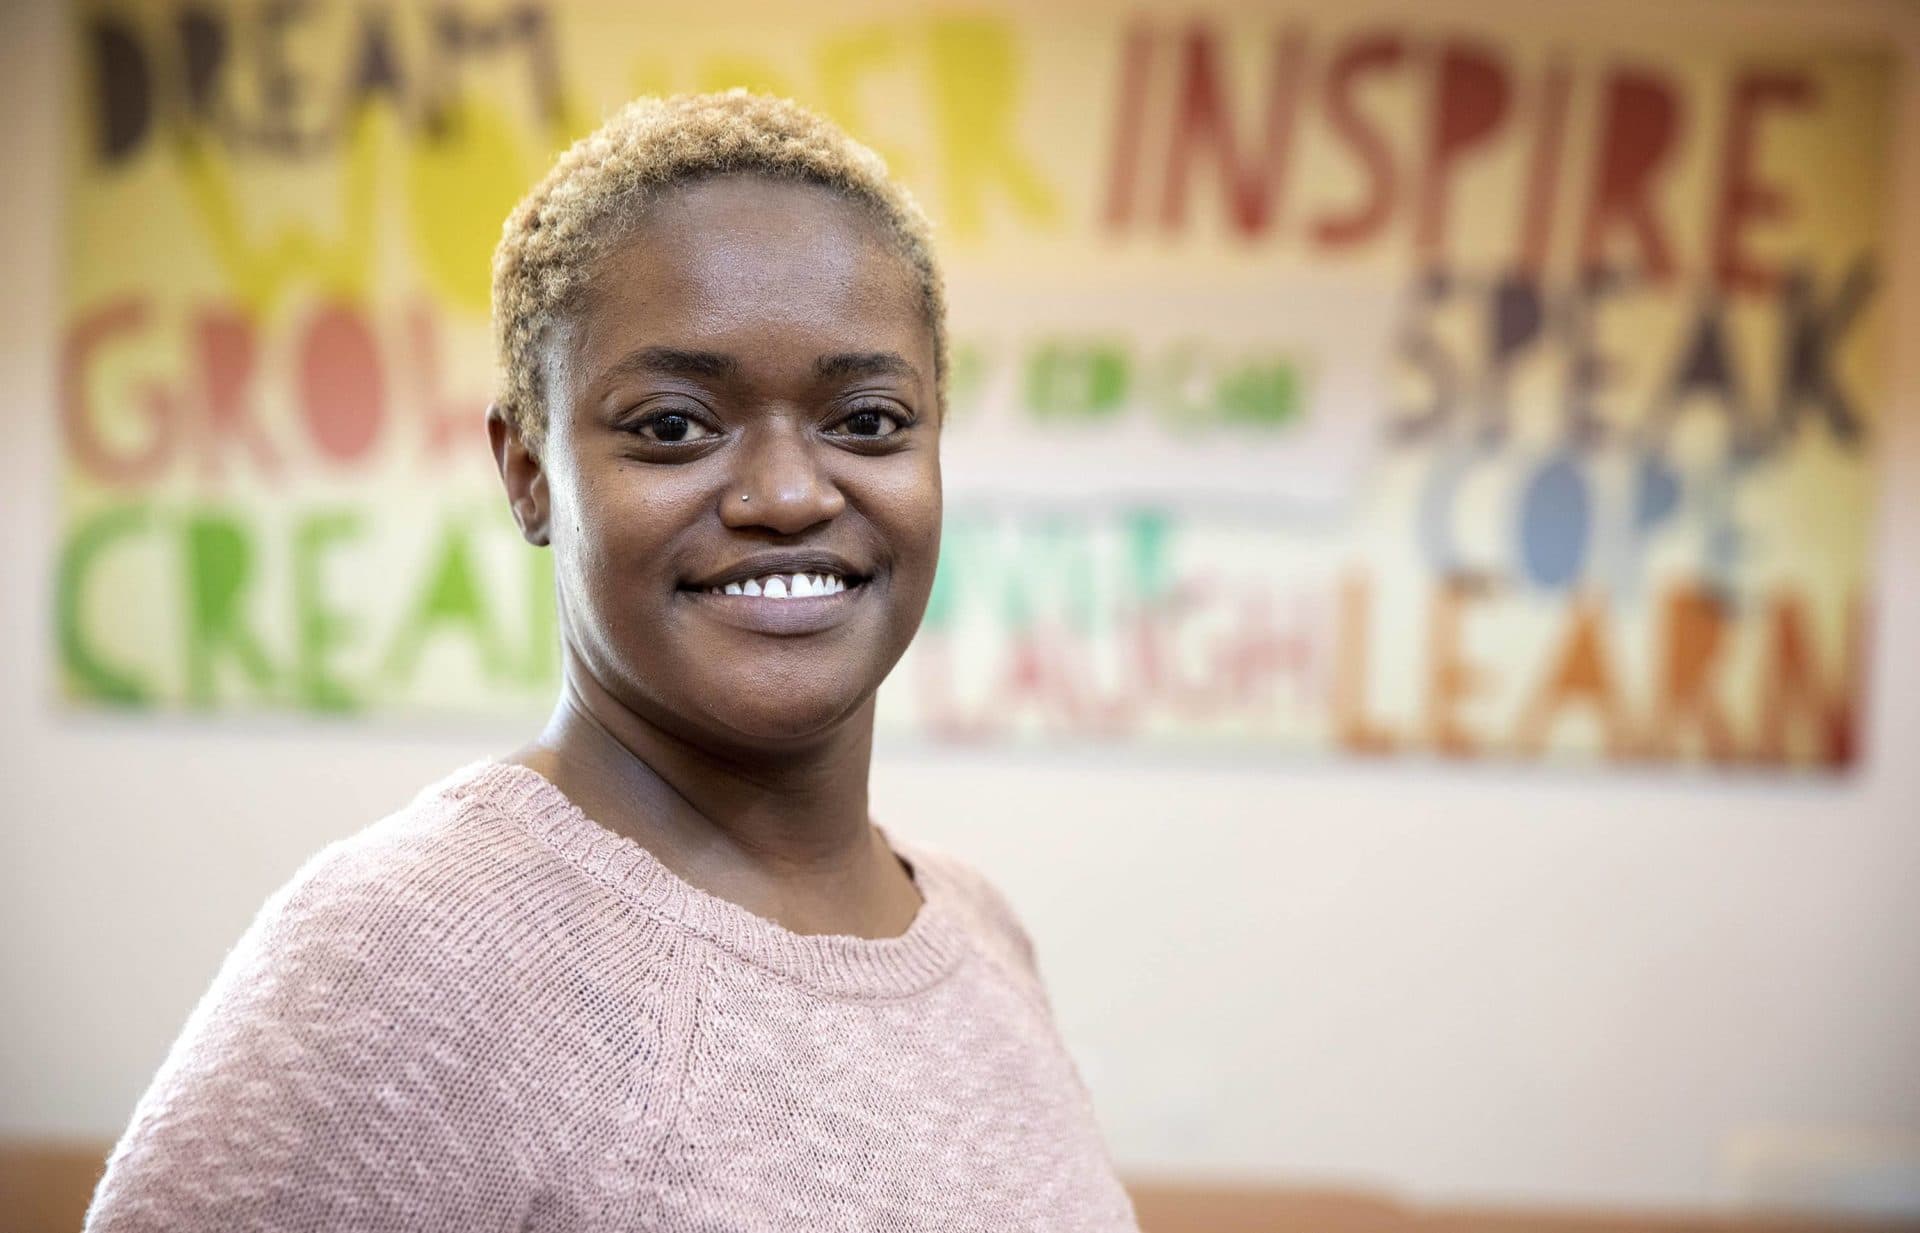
x=781 y=483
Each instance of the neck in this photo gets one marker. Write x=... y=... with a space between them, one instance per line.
x=784 y=834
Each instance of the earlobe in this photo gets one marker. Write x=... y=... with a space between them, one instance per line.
x=520 y=474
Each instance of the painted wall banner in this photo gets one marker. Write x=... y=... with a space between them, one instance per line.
x=1371 y=380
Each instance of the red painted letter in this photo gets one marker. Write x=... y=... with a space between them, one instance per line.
x=1359 y=59
x=1470 y=101
x=1205 y=118
x=341 y=390
x=78 y=416
x=1743 y=197
x=1642 y=119
x=227 y=356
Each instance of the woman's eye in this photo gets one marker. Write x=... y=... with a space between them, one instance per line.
x=672 y=428
x=872 y=422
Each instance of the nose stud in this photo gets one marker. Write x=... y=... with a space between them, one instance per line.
x=745 y=497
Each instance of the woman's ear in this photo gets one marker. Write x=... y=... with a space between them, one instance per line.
x=521 y=473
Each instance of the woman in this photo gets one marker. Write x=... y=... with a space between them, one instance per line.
x=657 y=969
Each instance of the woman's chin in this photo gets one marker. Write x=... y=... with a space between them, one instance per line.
x=788 y=720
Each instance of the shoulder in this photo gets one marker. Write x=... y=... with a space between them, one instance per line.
x=461 y=876
x=431 y=878
x=415 y=906
x=983 y=907
x=385 y=1034
x=451 y=905
x=339 y=1050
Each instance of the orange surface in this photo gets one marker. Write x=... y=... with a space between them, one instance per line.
x=44 y=1188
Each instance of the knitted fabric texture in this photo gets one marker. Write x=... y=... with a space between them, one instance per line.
x=488 y=1012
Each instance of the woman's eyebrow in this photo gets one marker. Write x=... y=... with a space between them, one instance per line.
x=672 y=362
x=680 y=362
x=864 y=364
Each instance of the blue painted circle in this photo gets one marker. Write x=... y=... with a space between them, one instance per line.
x=1556 y=524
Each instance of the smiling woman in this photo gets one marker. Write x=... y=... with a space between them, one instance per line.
x=658 y=968
x=752 y=397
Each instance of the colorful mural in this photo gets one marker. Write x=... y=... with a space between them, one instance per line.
x=1323 y=381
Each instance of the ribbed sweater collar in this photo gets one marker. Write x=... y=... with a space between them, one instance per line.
x=838 y=965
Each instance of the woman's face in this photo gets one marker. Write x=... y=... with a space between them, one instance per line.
x=741 y=474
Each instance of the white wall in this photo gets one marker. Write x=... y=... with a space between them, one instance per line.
x=1461 y=982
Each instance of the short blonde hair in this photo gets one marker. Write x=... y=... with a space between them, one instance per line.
x=553 y=239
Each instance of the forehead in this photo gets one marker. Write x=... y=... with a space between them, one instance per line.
x=757 y=268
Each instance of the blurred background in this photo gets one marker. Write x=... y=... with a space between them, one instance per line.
x=1429 y=628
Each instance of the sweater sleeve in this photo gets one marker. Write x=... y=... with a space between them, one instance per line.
x=338 y=1074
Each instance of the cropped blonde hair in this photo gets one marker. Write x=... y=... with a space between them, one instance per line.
x=554 y=238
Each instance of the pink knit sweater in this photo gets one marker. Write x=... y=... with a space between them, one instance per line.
x=488 y=1012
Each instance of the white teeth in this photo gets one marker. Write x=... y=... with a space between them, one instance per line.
x=785 y=586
